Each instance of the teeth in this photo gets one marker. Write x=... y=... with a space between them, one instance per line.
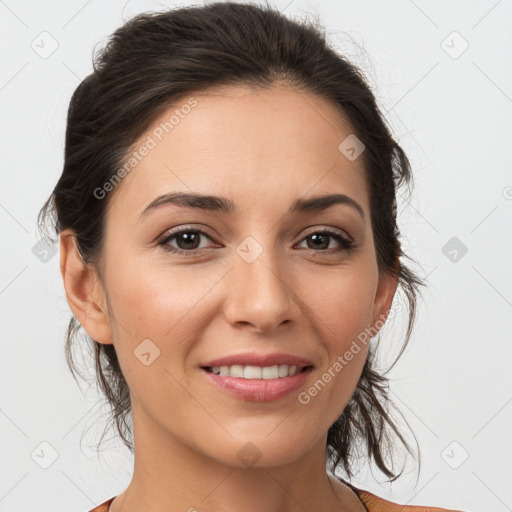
x=255 y=372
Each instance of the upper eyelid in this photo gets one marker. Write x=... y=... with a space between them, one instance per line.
x=329 y=230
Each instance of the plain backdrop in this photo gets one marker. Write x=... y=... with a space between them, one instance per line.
x=441 y=72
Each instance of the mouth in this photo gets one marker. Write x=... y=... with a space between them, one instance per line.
x=256 y=372
x=257 y=384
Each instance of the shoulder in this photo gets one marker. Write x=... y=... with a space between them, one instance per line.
x=371 y=501
x=376 y=504
x=104 y=507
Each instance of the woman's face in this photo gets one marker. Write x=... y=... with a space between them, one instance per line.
x=258 y=279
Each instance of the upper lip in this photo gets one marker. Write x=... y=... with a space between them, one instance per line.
x=255 y=359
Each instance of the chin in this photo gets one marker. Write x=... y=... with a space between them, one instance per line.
x=266 y=449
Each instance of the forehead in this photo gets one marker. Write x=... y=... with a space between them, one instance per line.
x=256 y=146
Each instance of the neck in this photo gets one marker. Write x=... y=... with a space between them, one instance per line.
x=170 y=476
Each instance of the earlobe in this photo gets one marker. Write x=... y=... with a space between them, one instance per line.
x=386 y=289
x=84 y=290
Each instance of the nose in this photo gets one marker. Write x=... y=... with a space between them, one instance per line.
x=259 y=294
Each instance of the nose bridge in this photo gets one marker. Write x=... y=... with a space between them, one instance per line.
x=258 y=293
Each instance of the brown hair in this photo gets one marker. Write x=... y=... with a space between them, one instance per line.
x=155 y=59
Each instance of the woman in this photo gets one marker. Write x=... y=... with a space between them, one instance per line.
x=228 y=238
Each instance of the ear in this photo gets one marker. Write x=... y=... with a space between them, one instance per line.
x=84 y=290
x=386 y=289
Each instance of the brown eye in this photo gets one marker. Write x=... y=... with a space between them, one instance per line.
x=187 y=241
x=320 y=241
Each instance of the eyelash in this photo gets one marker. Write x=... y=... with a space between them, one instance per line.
x=346 y=243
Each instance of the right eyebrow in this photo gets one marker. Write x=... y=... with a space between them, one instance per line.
x=318 y=203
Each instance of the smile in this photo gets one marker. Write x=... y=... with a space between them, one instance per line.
x=258 y=384
x=256 y=372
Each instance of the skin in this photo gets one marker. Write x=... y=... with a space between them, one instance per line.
x=261 y=148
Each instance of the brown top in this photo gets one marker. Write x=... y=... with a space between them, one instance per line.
x=371 y=502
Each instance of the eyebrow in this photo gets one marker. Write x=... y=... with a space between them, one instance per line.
x=225 y=205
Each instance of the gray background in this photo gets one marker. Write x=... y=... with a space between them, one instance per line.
x=451 y=110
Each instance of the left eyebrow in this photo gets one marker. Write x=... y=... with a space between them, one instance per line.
x=225 y=205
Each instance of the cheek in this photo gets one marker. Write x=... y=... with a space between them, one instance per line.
x=157 y=325
x=344 y=302
x=343 y=308
x=161 y=303
x=152 y=300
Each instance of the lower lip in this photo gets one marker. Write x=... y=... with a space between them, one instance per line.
x=258 y=390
